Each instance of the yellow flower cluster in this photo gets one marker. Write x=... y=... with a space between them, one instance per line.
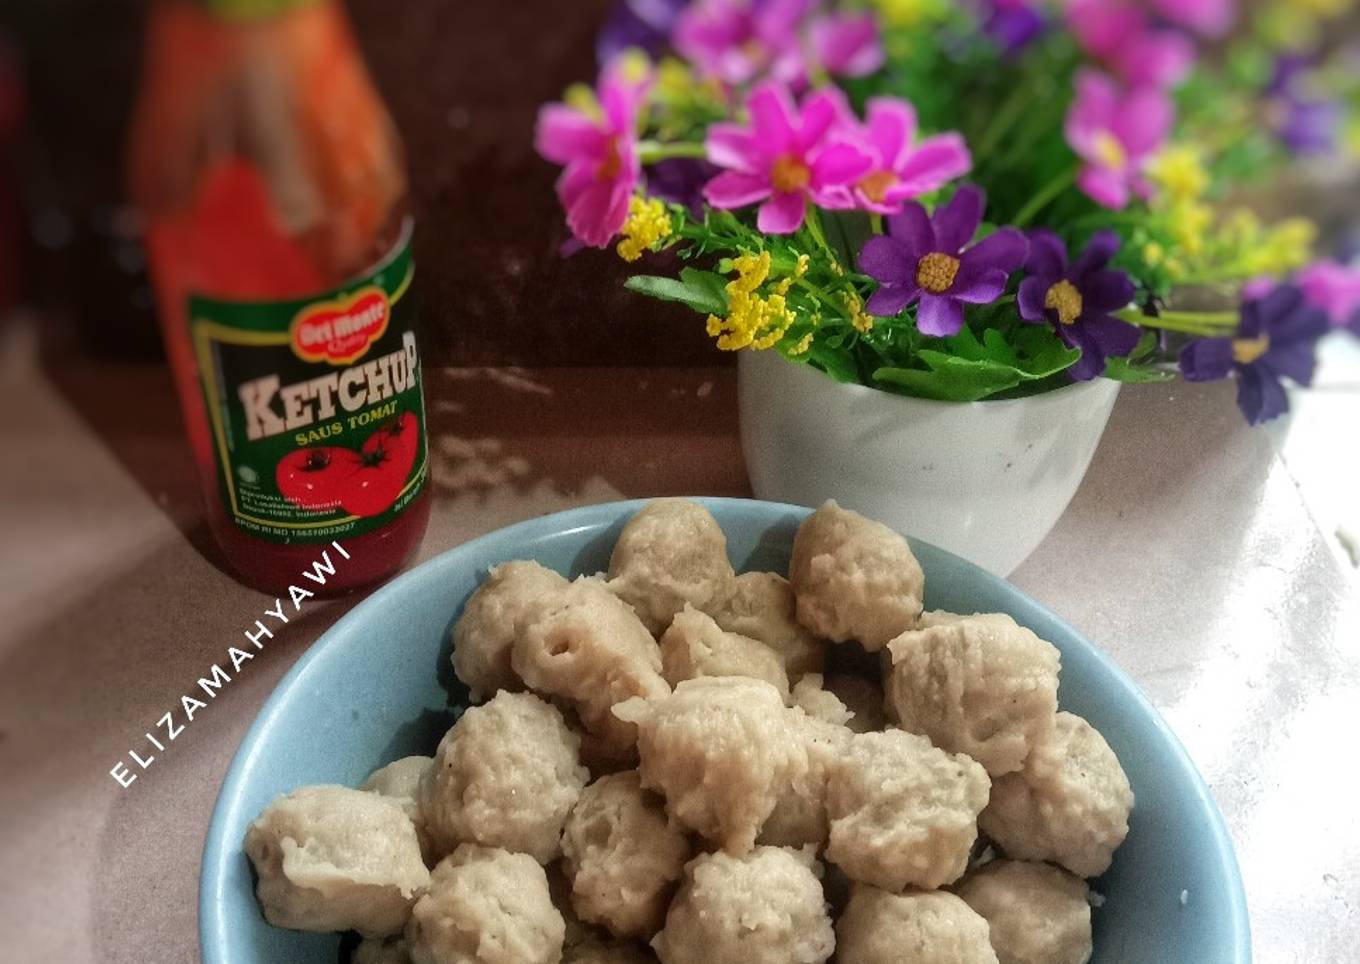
x=674 y=79
x=647 y=224
x=1320 y=8
x=1188 y=223
x=910 y=13
x=1179 y=171
x=1240 y=245
x=1275 y=249
x=582 y=97
x=753 y=320
x=860 y=320
x=1296 y=23
x=680 y=91
x=634 y=65
x=1179 y=176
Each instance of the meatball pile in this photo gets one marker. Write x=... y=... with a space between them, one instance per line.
x=671 y=762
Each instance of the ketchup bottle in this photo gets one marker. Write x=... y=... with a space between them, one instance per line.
x=273 y=189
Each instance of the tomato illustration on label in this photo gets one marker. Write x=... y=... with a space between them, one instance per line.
x=364 y=483
x=399 y=438
x=314 y=478
x=388 y=456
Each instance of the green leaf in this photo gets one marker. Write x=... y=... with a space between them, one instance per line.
x=700 y=290
x=997 y=348
x=838 y=363
x=950 y=379
x=1122 y=370
x=1144 y=346
x=967 y=369
x=1043 y=353
x=1034 y=353
x=714 y=284
x=966 y=345
x=721 y=220
x=846 y=232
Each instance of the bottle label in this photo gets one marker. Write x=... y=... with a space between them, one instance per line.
x=316 y=405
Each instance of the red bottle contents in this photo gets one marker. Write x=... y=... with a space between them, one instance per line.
x=273 y=189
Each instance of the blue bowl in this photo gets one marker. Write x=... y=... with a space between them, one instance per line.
x=378 y=686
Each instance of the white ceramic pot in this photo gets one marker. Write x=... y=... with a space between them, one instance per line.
x=985 y=480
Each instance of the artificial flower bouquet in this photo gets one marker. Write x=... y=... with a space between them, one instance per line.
x=963 y=201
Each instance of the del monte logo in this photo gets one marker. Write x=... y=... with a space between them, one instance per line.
x=340 y=331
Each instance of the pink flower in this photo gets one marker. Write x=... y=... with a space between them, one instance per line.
x=1212 y=18
x=847 y=44
x=902 y=169
x=1114 y=132
x=786 y=158
x=1157 y=58
x=738 y=41
x=1102 y=26
x=1332 y=287
x=598 y=151
x=1117 y=33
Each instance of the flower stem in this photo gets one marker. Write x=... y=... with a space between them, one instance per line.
x=649 y=152
x=1044 y=196
x=1103 y=219
x=1002 y=121
x=1210 y=324
x=814 y=224
x=821 y=295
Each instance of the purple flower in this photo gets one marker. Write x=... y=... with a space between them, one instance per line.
x=1307 y=126
x=1276 y=339
x=1115 y=132
x=928 y=259
x=1259 y=287
x=904 y=169
x=1079 y=299
x=1011 y=24
x=681 y=180
x=1305 y=122
x=598 y=151
x=786 y=157
x=642 y=24
x=738 y=41
x=1334 y=288
x=846 y=44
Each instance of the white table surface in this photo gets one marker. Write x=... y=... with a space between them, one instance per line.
x=1193 y=553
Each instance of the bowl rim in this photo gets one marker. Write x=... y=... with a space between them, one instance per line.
x=213 y=876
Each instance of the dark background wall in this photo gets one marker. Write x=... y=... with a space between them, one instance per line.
x=463 y=79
